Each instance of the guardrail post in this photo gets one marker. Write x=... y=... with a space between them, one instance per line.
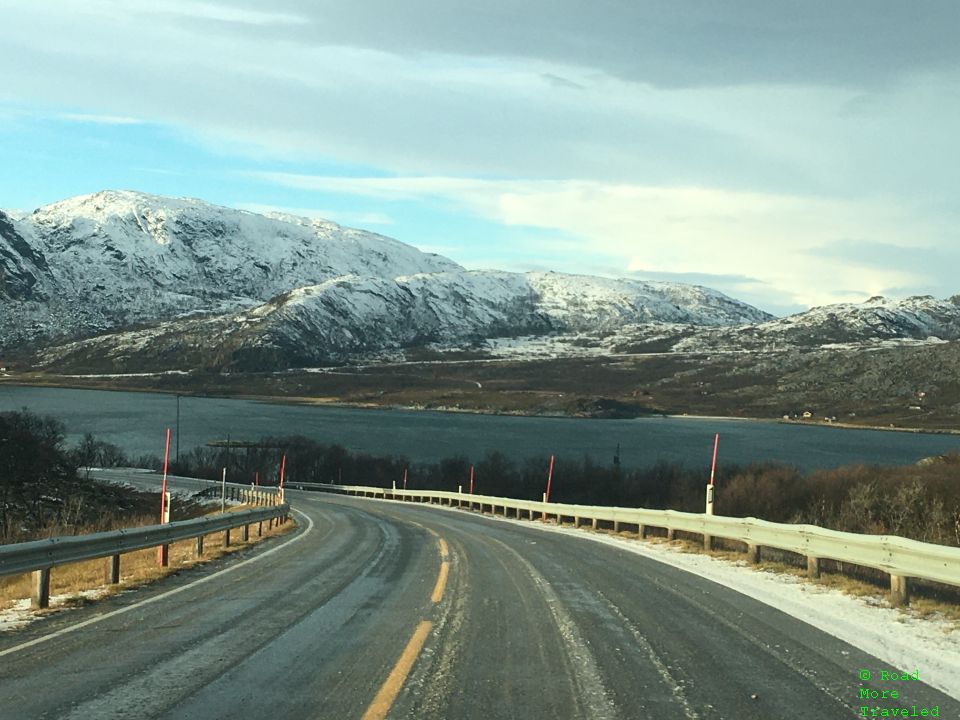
x=40 y=598
x=899 y=590
x=671 y=534
x=813 y=567
x=707 y=542
x=616 y=526
x=260 y=528
x=199 y=548
x=113 y=569
x=593 y=524
x=226 y=538
x=753 y=554
x=576 y=521
x=641 y=531
x=245 y=533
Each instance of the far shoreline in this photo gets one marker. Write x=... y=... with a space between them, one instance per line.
x=337 y=403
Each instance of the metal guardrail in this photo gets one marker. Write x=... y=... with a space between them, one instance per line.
x=900 y=557
x=40 y=556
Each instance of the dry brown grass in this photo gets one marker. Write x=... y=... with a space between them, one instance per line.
x=68 y=582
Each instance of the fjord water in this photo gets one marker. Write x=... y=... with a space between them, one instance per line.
x=137 y=421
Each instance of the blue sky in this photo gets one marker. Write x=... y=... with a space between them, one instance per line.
x=787 y=154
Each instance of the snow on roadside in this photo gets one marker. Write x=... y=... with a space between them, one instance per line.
x=16 y=616
x=20 y=614
x=895 y=636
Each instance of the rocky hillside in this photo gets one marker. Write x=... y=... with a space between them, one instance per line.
x=878 y=321
x=115 y=259
x=125 y=281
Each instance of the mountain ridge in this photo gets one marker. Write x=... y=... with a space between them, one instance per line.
x=122 y=262
x=121 y=280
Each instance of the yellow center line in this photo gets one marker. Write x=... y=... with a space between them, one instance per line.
x=444 y=571
x=391 y=688
x=441 y=582
x=398 y=676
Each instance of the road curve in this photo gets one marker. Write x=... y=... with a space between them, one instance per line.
x=377 y=609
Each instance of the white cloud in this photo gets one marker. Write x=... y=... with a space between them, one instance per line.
x=709 y=149
x=188 y=10
x=355 y=219
x=776 y=240
x=100 y=119
x=221 y=12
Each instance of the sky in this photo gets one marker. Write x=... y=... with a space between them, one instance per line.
x=788 y=154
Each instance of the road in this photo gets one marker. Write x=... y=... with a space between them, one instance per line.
x=376 y=609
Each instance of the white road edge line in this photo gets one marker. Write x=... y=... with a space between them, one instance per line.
x=162 y=596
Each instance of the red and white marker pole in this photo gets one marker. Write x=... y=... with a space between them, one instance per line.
x=283 y=468
x=405 y=478
x=713 y=473
x=546 y=495
x=163 y=554
x=256 y=479
x=471 y=479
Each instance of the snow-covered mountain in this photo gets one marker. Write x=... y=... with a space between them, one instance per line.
x=113 y=259
x=919 y=317
x=153 y=280
x=353 y=316
x=878 y=319
x=129 y=281
x=582 y=302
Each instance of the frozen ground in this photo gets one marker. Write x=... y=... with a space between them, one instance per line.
x=19 y=614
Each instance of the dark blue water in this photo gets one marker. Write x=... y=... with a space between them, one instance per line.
x=137 y=421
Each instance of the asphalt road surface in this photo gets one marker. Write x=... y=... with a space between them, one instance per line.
x=376 y=609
